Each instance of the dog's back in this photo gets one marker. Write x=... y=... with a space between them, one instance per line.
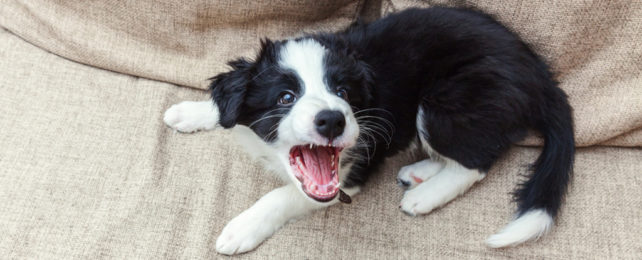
x=469 y=88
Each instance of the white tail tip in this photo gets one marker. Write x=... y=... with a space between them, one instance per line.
x=531 y=225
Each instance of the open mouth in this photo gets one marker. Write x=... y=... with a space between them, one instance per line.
x=317 y=168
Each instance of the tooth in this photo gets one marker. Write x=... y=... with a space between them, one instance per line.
x=310 y=146
x=298 y=160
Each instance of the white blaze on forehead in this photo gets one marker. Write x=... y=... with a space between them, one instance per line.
x=305 y=57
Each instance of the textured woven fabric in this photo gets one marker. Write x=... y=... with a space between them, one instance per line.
x=88 y=170
x=593 y=46
x=182 y=42
x=594 y=49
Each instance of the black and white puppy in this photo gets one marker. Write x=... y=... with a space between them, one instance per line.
x=324 y=110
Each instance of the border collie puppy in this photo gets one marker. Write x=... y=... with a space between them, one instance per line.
x=325 y=109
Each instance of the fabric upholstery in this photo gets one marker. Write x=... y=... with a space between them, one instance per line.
x=593 y=46
x=88 y=169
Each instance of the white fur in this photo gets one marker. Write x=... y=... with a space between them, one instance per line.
x=260 y=151
x=246 y=231
x=423 y=170
x=191 y=116
x=254 y=225
x=422 y=139
x=305 y=58
x=446 y=185
x=454 y=180
x=275 y=209
x=268 y=214
x=442 y=185
x=531 y=225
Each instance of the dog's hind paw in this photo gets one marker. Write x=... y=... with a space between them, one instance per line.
x=412 y=175
x=452 y=181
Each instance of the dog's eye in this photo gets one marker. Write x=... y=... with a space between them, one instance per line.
x=287 y=98
x=342 y=93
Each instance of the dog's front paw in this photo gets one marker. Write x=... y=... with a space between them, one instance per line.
x=191 y=116
x=244 y=233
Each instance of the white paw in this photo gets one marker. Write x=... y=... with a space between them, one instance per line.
x=412 y=175
x=244 y=233
x=438 y=190
x=421 y=200
x=191 y=116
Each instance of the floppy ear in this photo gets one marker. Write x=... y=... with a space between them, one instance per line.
x=228 y=91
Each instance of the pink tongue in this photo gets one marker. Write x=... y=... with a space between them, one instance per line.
x=318 y=163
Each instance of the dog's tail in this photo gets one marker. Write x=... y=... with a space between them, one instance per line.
x=540 y=197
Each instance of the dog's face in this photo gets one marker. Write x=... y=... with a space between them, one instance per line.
x=300 y=97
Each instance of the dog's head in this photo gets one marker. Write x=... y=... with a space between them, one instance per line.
x=300 y=97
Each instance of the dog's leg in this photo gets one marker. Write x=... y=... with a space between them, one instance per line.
x=411 y=175
x=247 y=230
x=191 y=116
x=446 y=185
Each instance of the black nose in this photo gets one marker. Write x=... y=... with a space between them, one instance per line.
x=330 y=123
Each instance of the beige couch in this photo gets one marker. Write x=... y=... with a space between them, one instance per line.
x=88 y=170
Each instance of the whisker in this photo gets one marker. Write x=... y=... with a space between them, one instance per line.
x=267 y=137
x=384 y=134
x=390 y=124
x=263 y=118
x=374 y=142
x=381 y=128
x=264 y=114
x=372 y=109
x=381 y=135
x=366 y=147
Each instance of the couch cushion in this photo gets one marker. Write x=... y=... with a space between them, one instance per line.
x=593 y=46
x=594 y=49
x=88 y=170
x=182 y=42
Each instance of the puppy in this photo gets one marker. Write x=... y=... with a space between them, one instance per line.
x=325 y=109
